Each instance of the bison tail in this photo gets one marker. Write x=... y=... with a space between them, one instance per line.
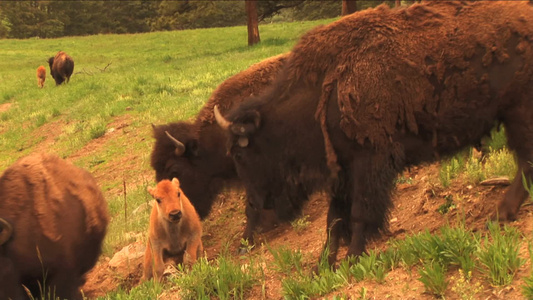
x=6 y=231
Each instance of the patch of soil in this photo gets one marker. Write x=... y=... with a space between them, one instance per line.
x=5 y=107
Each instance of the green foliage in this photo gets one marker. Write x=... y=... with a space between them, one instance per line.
x=498 y=254
x=222 y=278
x=286 y=260
x=56 y=18
x=433 y=276
x=464 y=287
x=145 y=290
x=300 y=224
x=369 y=266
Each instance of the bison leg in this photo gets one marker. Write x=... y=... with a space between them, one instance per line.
x=252 y=219
x=334 y=221
x=519 y=129
x=194 y=249
x=10 y=287
x=65 y=285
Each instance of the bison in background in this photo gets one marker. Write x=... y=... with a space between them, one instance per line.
x=377 y=91
x=41 y=76
x=175 y=231
x=195 y=152
x=61 y=67
x=53 y=219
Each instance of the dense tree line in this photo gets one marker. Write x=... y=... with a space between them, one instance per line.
x=56 y=18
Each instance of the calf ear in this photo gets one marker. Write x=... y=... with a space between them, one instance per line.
x=150 y=190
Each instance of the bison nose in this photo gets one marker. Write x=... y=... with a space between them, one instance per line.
x=175 y=215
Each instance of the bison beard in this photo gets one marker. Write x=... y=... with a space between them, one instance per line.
x=377 y=91
x=53 y=219
x=195 y=153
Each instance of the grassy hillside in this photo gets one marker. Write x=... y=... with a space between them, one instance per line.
x=122 y=84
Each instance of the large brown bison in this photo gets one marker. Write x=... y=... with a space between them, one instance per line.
x=53 y=219
x=195 y=152
x=61 y=67
x=377 y=91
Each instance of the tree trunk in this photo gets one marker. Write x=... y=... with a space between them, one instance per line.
x=397 y=3
x=253 y=27
x=348 y=7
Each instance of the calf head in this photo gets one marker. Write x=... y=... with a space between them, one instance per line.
x=168 y=195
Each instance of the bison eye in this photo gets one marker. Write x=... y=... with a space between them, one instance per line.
x=158 y=200
x=179 y=194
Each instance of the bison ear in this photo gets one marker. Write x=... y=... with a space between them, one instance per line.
x=249 y=124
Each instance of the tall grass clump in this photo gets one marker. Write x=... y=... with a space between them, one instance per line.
x=498 y=254
x=145 y=290
x=222 y=278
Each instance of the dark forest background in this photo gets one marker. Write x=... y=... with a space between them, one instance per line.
x=57 y=18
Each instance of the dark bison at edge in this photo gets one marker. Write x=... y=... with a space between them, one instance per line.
x=382 y=89
x=53 y=219
x=195 y=152
x=61 y=67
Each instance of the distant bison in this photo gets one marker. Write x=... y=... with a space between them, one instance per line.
x=377 y=91
x=41 y=76
x=195 y=152
x=175 y=230
x=61 y=67
x=53 y=219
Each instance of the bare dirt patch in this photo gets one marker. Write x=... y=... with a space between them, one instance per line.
x=5 y=107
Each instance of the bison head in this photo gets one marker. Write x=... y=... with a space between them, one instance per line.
x=198 y=160
x=168 y=196
x=6 y=230
x=271 y=159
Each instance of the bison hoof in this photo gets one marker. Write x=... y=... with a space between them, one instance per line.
x=243 y=250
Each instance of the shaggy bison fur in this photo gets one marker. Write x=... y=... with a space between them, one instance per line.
x=61 y=67
x=41 y=76
x=195 y=152
x=53 y=219
x=366 y=96
x=175 y=230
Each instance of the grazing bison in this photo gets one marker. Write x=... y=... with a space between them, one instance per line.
x=366 y=96
x=175 y=229
x=41 y=76
x=195 y=152
x=61 y=67
x=53 y=219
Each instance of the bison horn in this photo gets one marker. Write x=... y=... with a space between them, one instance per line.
x=180 y=148
x=5 y=231
x=222 y=122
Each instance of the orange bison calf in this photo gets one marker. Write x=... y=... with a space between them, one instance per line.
x=53 y=219
x=175 y=229
x=41 y=76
